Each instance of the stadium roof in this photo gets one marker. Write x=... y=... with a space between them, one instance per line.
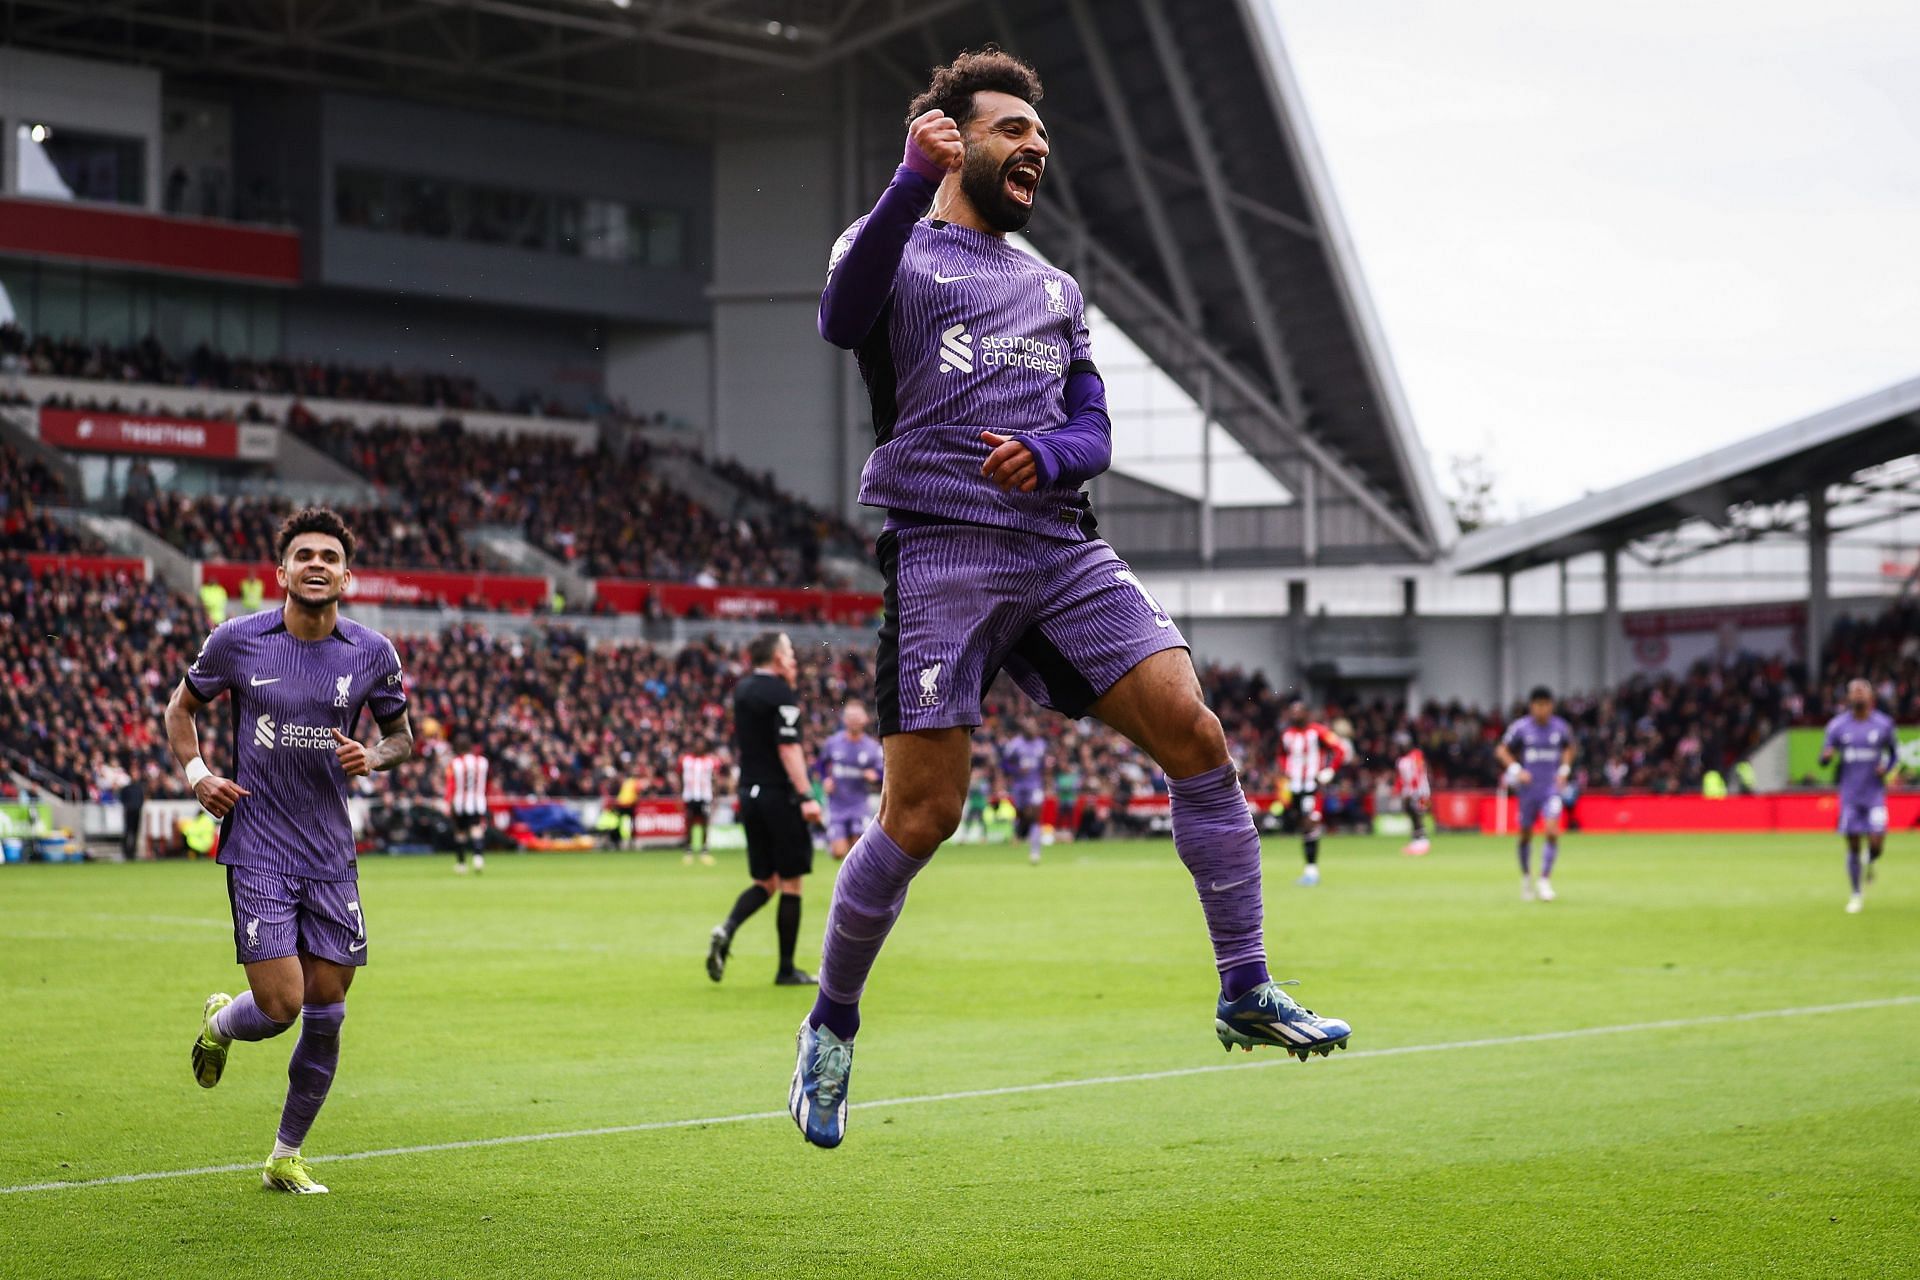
x=1187 y=192
x=1860 y=456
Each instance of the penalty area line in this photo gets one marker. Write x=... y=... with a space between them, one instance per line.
x=1002 y=1091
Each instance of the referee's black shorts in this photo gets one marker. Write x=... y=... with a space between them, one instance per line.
x=778 y=842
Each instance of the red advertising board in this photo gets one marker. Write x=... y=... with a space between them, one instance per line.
x=405 y=586
x=158 y=434
x=1623 y=813
x=679 y=600
x=136 y=238
x=87 y=566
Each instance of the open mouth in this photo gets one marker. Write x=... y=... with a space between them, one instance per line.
x=1022 y=180
x=318 y=580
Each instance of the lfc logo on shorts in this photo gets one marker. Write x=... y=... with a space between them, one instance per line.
x=253 y=934
x=929 y=678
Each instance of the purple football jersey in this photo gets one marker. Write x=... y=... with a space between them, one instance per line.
x=1864 y=750
x=288 y=696
x=1023 y=760
x=975 y=335
x=846 y=760
x=1538 y=748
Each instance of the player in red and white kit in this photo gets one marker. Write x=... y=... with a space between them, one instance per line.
x=1416 y=793
x=467 y=805
x=1310 y=754
x=698 y=769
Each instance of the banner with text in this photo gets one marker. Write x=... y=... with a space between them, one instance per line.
x=100 y=432
x=1803 y=754
x=680 y=600
x=405 y=586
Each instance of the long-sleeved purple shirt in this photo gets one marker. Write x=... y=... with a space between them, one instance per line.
x=958 y=332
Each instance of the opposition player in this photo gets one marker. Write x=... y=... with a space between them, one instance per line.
x=1023 y=762
x=698 y=769
x=1863 y=741
x=1537 y=753
x=776 y=804
x=989 y=414
x=467 y=805
x=1416 y=794
x=850 y=768
x=298 y=677
x=1310 y=754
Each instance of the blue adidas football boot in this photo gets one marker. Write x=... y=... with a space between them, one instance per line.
x=818 y=1098
x=1267 y=1015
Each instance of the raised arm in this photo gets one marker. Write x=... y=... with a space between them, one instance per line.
x=860 y=275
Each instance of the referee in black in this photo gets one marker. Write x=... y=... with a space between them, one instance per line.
x=775 y=800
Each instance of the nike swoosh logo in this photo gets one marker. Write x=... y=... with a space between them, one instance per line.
x=940 y=279
x=1163 y=623
x=1222 y=888
x=257 y=681
x=356 y=947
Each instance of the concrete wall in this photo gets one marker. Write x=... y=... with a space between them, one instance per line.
x=777 y=386
x=663 y=371
x=99 y=97
x=507 y=352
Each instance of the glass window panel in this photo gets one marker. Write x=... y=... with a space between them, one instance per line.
x=55 y=162
x=109 y=309
x=666 y=238
x=61 y=303
x=230 y=321
x=266 y=326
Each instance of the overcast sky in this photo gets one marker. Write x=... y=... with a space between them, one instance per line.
x=1604 y=237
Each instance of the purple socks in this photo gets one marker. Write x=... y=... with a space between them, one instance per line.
x=1853 y=869
x=1547 y=855
x=242 y=1020
x=1214 y=835
x=310 y=1073
x=866 y=901
x=1526 y=857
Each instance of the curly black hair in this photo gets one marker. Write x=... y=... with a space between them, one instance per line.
x=313 y=520
x=985 y=70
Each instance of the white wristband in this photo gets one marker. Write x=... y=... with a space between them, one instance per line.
x=197 y=771
x=1513 y=773
x=1566 y=771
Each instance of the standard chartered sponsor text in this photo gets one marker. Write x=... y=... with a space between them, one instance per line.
x=1017 y=352
x=314 y=736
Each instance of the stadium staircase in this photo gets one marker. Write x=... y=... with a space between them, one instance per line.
x=504 y=549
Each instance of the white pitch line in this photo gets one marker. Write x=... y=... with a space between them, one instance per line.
x=1003 y=1091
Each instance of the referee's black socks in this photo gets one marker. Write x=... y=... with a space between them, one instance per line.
x=744 y=906
x=788 y=921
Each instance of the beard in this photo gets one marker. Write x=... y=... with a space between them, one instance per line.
x=984 y=183
x=328 y=596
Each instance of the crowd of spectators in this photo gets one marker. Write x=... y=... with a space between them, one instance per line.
x=147 y=361
x=605 y=511
x=27 y=489
x=86 y=667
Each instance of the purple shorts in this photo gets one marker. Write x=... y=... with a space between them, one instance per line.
x=1537 y=809
x=846 y=826
x=1868 y=819
x=275 y=914
x=1065 y=619
x=1028 y=797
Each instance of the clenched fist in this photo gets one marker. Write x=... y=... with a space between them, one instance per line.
x=351 y=755
x=933 y=144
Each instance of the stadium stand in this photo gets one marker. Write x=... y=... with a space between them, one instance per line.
x=86 y=666
x=26 y=489
x=561 y=715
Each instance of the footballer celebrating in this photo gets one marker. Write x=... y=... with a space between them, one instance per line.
x=298 y=678
x=989 y=415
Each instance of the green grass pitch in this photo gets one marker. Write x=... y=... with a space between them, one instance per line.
x=563 y=993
